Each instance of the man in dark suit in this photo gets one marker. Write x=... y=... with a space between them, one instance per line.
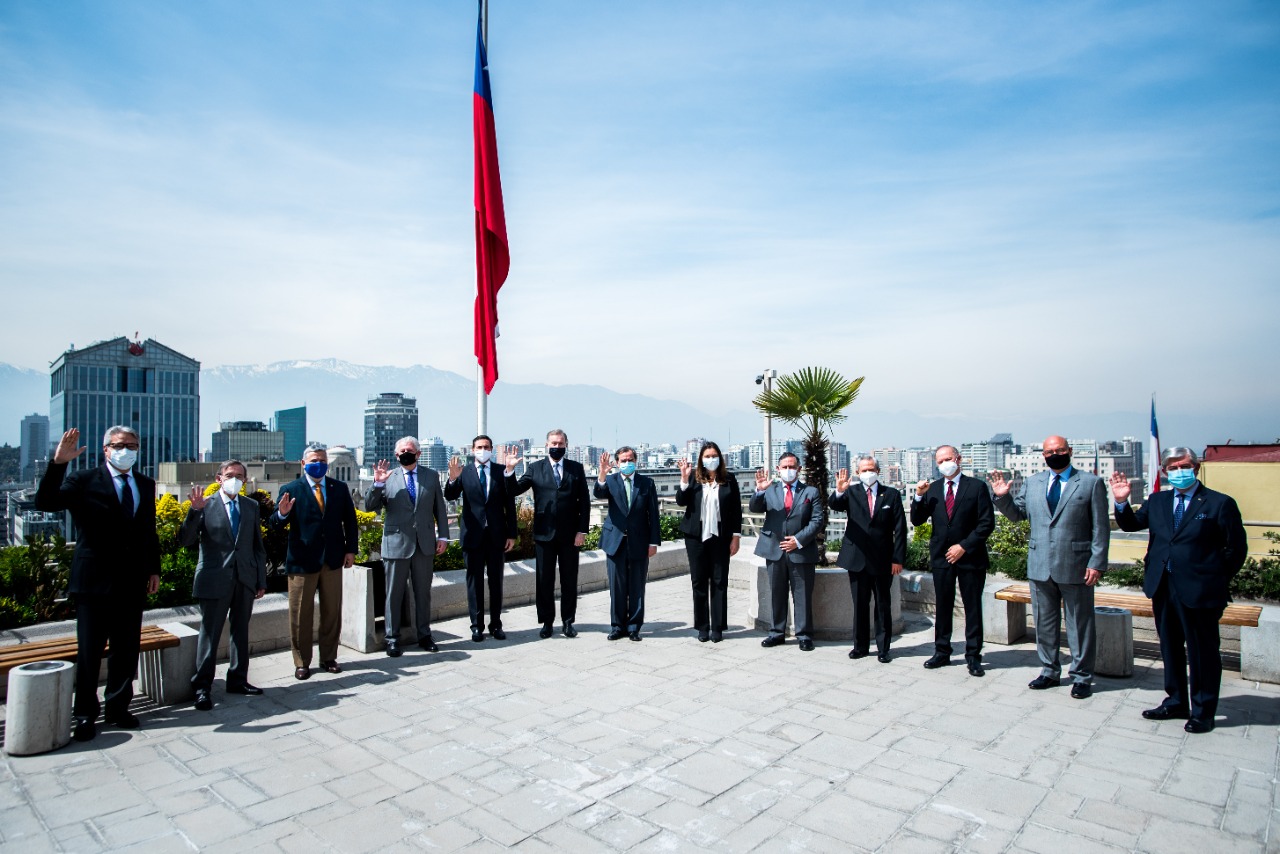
x=323 y=540
x=963 y=518
x=488 y=521
x=788 y=542
x=561 y=514
x=415 y=528
x=230 y=573
x=629 y=537
x=873 y=551
x=115 y=566
x=1197 y=545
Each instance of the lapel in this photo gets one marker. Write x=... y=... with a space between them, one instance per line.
x=860 y=492
x=619 y=490
x=107 y=481
x=217 y=520
x=324 y=490
x=1067 y=489
x=1192 y=509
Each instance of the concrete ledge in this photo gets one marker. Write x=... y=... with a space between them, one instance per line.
x=832 y=604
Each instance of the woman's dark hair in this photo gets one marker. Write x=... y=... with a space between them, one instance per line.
x=717 y=476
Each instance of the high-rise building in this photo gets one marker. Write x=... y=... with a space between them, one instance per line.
x=435 y=454
x=838 y=456
x=247 y=440
x=977 y=457
x=389 y=417
x=34 y=444
x=293 y=424
x=143 y=385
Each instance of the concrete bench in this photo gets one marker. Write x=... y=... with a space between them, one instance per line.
x=832 y=604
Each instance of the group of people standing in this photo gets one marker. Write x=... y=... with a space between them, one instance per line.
x=1196 y=546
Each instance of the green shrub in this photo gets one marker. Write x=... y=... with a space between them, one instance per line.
x=14 y=614
x=1007 y=547
x=918 y=548
x=451 y=559
x=592 y=541
x=670 y=528
x=34 y=578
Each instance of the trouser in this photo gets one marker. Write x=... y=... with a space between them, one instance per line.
x=971 y=582
x=864 y=586
x=114 y=619
x=627 y=576
x=486 y=563
x=1188 y=640
x=417 y=570
x=302 y=593
x=709 y=574
x=1048 y=598
x=238 y=604
x=800 y=577
x=546 y=555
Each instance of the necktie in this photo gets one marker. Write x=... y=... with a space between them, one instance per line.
x=626 y=483
x=787 y=501
x=556 y=469
x=412 y=486
x=1055 y=493
x=1178 y=510
x=126 y=495
x=234 y=508
x=320 y=497
x=951 y=497
x=484 y=481
x=871 y=502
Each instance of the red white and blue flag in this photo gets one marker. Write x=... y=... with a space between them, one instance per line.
x=493 y=259
x=1153 y=466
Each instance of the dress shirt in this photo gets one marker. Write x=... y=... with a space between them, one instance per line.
x=132 y=481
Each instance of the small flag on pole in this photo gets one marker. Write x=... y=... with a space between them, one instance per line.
x=493 y=259
x=1153 y=467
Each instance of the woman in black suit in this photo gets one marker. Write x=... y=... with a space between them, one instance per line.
x=712 y=527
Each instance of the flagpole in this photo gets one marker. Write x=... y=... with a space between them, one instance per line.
x=482 y=400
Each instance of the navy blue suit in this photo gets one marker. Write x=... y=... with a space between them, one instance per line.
x=561 y=511
x=487 y=522
x=1188 y=573
x=873 y=542
x=629 y=529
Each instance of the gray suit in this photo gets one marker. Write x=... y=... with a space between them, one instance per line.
x=409 y=532
x=229 y=573
x=803 y=521
x=1063 y=545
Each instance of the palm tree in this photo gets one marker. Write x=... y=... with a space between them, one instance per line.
x=812 y=399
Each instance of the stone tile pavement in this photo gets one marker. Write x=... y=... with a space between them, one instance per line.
x=664 y=745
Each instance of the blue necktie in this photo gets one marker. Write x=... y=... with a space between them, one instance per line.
x=1178 y=510
x=126 y=495
x=413 y=487
x=235 y=519
x=484 y=486
x=556 y=468
x=1055 y=493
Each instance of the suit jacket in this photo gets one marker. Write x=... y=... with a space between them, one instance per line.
x=225 y=559
x=972 y=522
x=558 y=511
x=873 y=541
x=730 y=508
x=1074 y=537
x=1203 y=555
x=497 y=509
x=636 y=526
x=803 y=522
x=408 y=525
x=114 y=553
x=318 y=539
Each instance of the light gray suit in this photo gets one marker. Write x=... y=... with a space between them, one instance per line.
x=229 y=573
x=409 y=532
x=1063 y=545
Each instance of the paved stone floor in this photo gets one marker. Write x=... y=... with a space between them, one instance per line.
x=663 y=745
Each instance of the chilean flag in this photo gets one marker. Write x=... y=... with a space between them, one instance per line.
x=1153 y=466
x=493 y=259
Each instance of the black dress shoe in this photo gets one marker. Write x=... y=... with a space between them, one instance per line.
x=124 y=720
x=883 y=658
x=203 y=702
x=1042 y=682
x=938 y=661
x=716 y=636
x=477 y=636
x=855 y=654
x=1081 y=691
x=246 y=689
x=617 y=634
x=806 y=645
x=1197 y=726
x=85 y=729
x=393 y=648
x=428 y=644
x=1167 y=713
x=975 y=669
x=570 y=631
x=330 y=666
x=703 y=637
x=546 y=631
x=635 y=636
x=497 y=632
x=302 y=673
x=773 y=640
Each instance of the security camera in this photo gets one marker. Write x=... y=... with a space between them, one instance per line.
x=759 y=379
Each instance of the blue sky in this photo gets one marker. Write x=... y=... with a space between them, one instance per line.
x=976 y=205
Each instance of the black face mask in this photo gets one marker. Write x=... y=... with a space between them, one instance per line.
x=555 y=453
x=408 y=458
x=1058 y=462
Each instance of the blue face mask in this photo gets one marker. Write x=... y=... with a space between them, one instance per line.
x=1181 y=478
x=316 y=469
x=627 y=469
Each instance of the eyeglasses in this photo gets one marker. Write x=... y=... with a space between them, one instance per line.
x=120 y=446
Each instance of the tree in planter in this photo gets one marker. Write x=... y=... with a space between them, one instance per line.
x=812 y=399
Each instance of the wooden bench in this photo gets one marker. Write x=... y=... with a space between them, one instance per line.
x=1139 y=605
x=159 y=673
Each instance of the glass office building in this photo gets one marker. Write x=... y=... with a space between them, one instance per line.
x=388 y=417
x=293 y=424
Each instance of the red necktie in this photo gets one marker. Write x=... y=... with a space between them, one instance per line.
x=951 y=497
x=871 y=503
x=787 y=502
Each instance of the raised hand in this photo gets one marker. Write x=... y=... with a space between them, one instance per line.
x=1120 y=489
x=762 y=480
x=606 y=463
x=197 y=498
x=999 y=485
x=455 y=468
x=842 y=480
x=381 y=471
x=67 y=450
x=922 y=487
x=285 y=505
x=686 y=469
x=512 y=459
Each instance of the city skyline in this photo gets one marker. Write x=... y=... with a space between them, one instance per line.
x=816 y=185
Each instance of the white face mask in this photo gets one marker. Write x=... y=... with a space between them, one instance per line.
x=868 y=477
x=231 y=485
x=484 y=455
x=949 y=468
x=789 y=475
x=122 y=459
x=711 y=463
